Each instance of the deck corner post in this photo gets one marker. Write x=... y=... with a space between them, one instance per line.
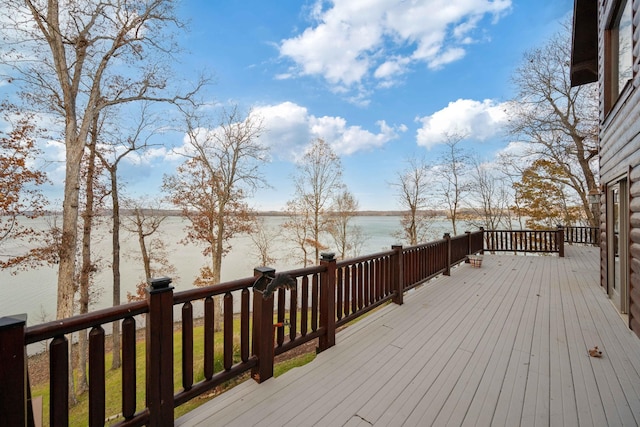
x=483 y=234
x=560 y=241
x=328 y=301
x=447 y=237
x=398 y=275
x=159 y=341
x=13 y=371
x=468 y=236
x=263 y=330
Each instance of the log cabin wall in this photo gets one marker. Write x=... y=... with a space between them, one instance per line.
x=620 y=148
x=634 y=250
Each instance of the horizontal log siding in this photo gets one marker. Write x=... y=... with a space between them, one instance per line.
x=634 y=250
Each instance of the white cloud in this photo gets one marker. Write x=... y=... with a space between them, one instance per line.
x=477 y=120
x=289 y=128
x=353 y=42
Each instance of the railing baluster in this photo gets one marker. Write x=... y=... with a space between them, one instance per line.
x=348 y=296
x=128 y=367
x=339 y=293
x=305 y=306
x=281 y=317
x=59 y=382
x=187 y=345
x=360 y=286
x=96 y=377
x=366 y=282
x=293 y=313
x=208 y=337
x=244 y=325
x=228 y=331
x=354 y=288
x=314 y=302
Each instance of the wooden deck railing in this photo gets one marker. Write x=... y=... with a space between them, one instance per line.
x=582 y=235
x=324 y=297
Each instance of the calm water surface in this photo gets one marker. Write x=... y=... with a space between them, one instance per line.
x=34 y=292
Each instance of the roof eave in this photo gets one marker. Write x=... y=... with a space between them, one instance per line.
x=584 y=48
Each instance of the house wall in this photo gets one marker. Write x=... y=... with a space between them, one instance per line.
x=620 y=154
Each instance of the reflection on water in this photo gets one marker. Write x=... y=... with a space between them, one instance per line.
x=34 y=292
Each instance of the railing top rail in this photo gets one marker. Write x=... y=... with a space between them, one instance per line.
x=207 y=291
x=548 y=230
x=459 y=237
x=305 y=271
x=364 y=258
x=423 y=245
x=45 y=331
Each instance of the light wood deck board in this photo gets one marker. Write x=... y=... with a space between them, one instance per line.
x=505 y=344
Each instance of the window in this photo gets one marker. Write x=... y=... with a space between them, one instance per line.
x=620 y=54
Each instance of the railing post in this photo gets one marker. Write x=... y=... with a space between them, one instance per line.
x=398 y=275
x=447 y=237
x=263 y=331
x=13 y=371
x=483 y=239
x=560 y=240
x=328 y=301
x=159 y=330
x=468 y=234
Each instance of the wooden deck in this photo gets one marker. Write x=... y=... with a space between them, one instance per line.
x=505 y=344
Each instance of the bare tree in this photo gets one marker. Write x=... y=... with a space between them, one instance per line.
x=212 y=186
x=263 y=239
x=299 y=225
x=117 y=142
x=413 y=186
x=489 y=197
x=94 y=194
x=318 y=181
x=453 y=172
x=76 y=59
x=144 y=222
x=559 y=122
x=347 y=236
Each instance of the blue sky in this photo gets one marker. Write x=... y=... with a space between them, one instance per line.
x=379 y=80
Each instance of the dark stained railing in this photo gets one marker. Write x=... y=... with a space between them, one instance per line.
x=320 y=299
x=526 y=241
x=582 y=235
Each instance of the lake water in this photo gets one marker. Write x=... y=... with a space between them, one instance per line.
x=34 y=292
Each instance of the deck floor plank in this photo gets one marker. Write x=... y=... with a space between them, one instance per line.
x=505 y=344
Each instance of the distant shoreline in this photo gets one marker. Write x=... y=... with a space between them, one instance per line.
x=175 y=212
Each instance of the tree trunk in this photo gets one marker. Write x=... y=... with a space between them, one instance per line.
x=216 y=258
x=115 y=265
x=87 y=267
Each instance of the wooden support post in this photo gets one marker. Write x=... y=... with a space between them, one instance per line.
x=560 y=241
x=13 y=371
x=328 y=301
x=447 y=237
x=483 y=239
x=397 y=277
x=468 y=234
x=263 y=331
x=160 y=352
